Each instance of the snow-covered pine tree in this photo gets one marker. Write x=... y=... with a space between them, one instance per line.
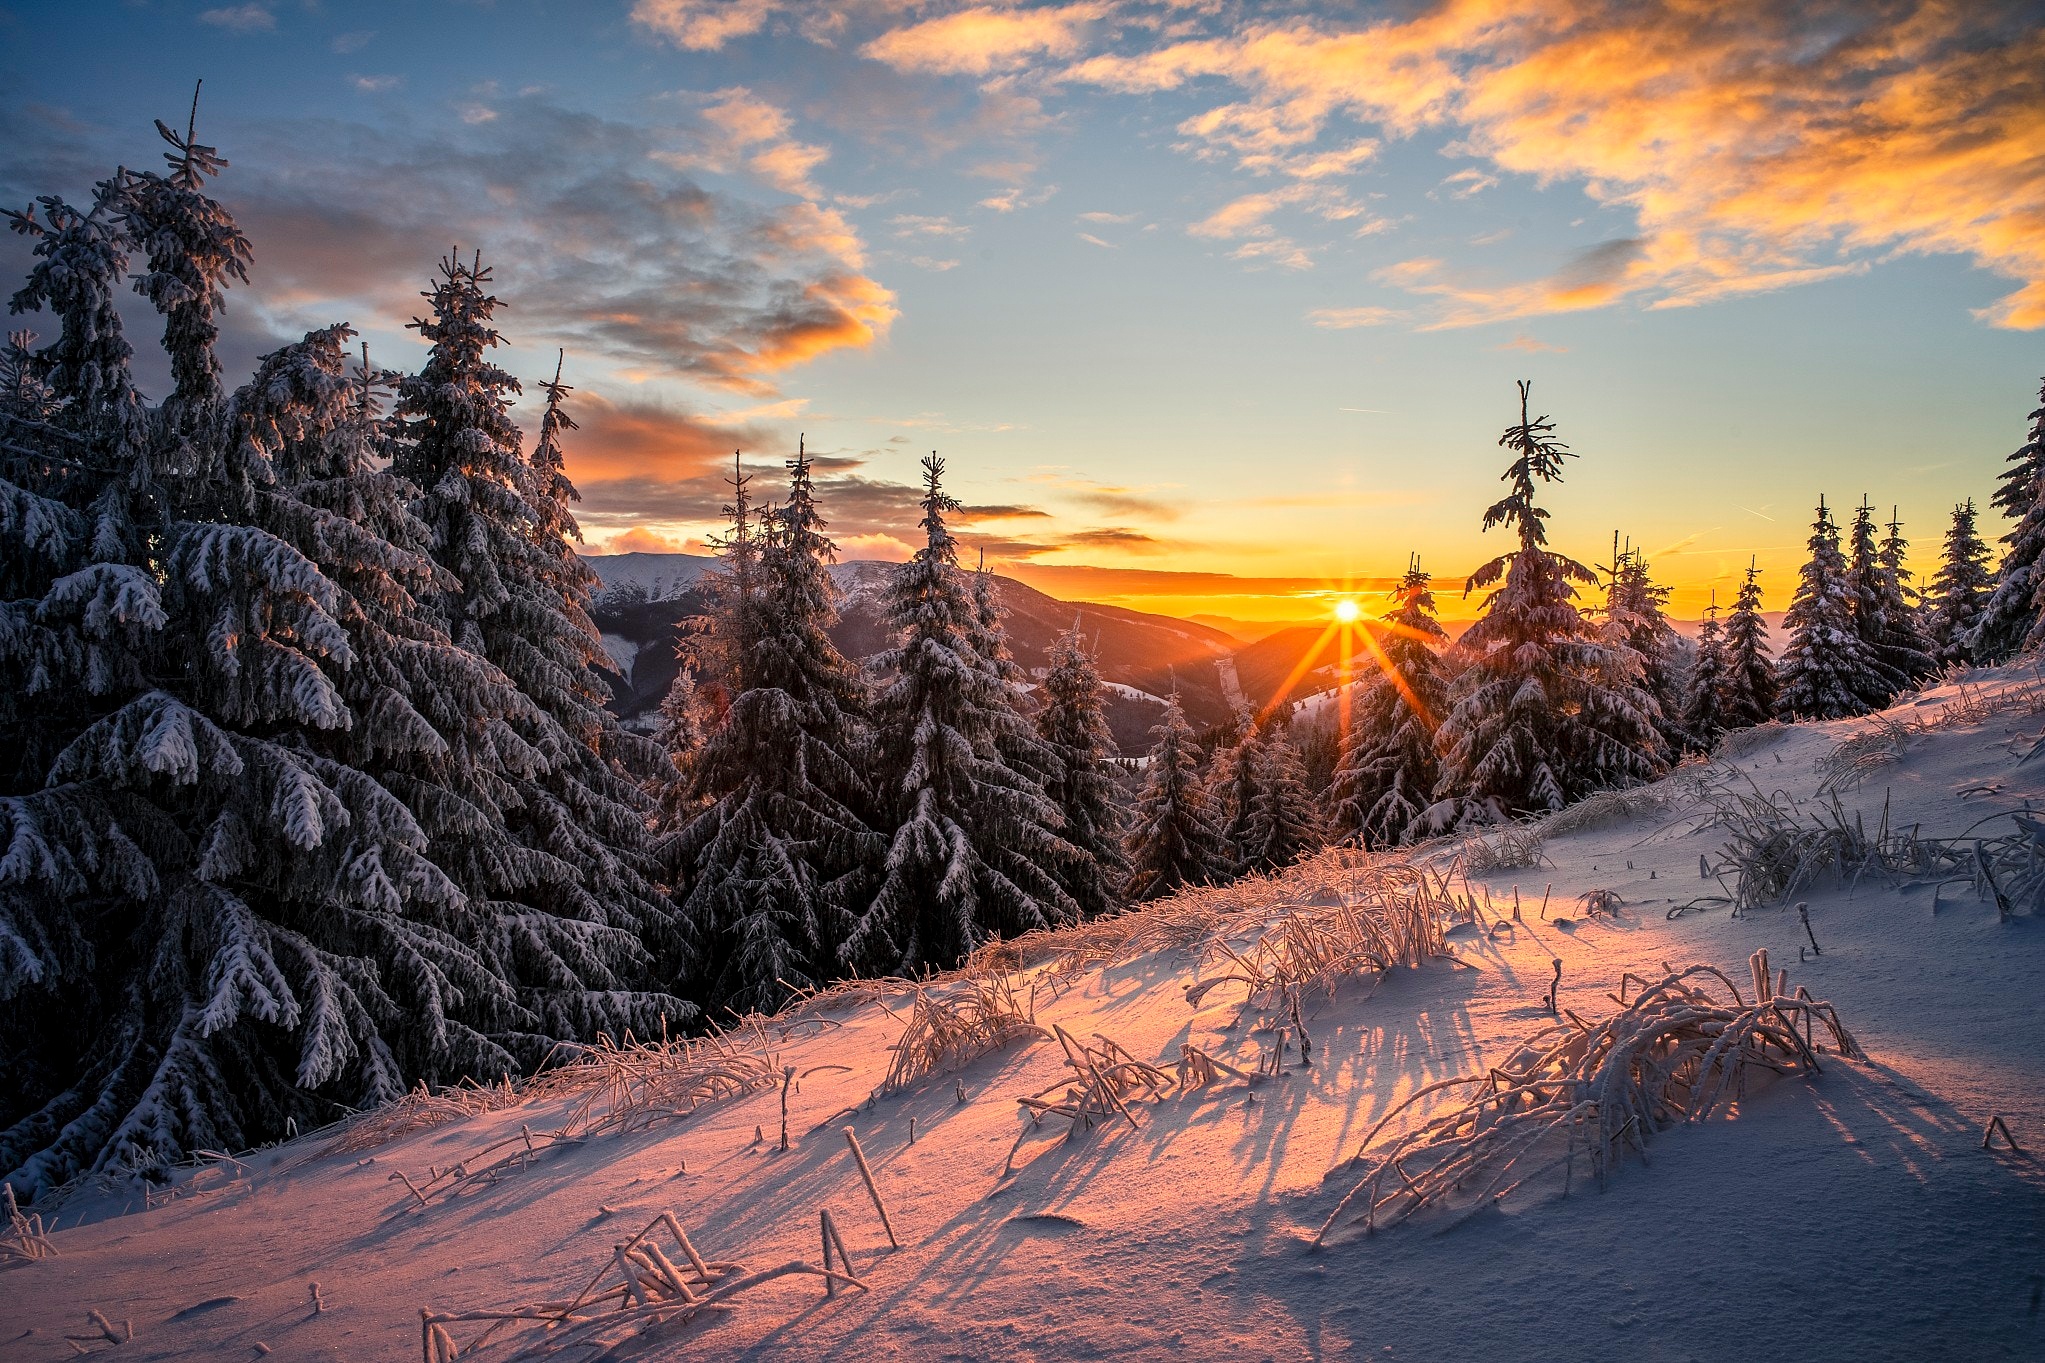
x=193 y=248
x=1074 y=725
x=975 y=840
x=1174 y=839
x=1232 y=788
x=1547 y=711
x=679 y=735
x=777 y=862
x=1636 y=619
x=1018 y=743
x=1260 y=787
x=1873 y=619
x=1825 y=671
x=2009 y=618
x=1385 y=783
x=1285 y=820
x=224 y=922
x=1749 y=693
x=1906 y=643
x=1959 y=592
x=1704 y=717
x=588 y=908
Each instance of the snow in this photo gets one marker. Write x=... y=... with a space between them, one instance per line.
x=1853 y=1215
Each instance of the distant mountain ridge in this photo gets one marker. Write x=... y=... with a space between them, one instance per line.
x=648 y=599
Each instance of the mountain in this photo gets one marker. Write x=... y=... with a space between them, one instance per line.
x=648 y=600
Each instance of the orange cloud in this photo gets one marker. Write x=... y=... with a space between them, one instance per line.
x=983 y=40
x=620 y=440
x=641 y=540
x=1758 y=143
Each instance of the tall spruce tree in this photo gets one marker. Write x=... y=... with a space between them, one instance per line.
x=1174 y=838
x=1906 y=642
x=1959 y=593
x=1826 y=670
x=1881 y=615
x=1637 y=619
x=1548 y=712
x=1385 y=782
x=2009 y=619
x=586 y=906
x=227 y=714
x=777 y=862
x=975 y=841
x=1704 y=701
x=1074 y=725
x=1749 y=694
x=1284 y=821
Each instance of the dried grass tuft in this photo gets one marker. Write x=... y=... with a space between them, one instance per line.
x=1739 y=743
x=25 y=1240
x=953 y=1024
x=1865 y=753
x=420 y=1110
x=640 y=1293
x=1517 y=848
x=618 y=1088
x=1606 y=806
x=1671 y=1054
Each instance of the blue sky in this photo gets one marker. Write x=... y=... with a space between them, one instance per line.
x=1209 y=307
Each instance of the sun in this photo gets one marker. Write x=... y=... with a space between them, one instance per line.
x=1347 y=611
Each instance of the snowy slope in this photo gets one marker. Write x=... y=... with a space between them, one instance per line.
x=1852 y=1215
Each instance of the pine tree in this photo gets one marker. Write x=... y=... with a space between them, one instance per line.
x=1233 y=789
x=1906 y=645
x=1749 y=695
x=1548 y=711
x=1074 y=725
x=1384 y=785
x=2010 y=617
x=975 y=840
x=679 y=735
x=1960 y=592
x=520 y=601
x=194 y=249
x=1881 y=617
x=1174 y=839
x=1284 y=820
x=1704 y=702
x=777 y=861
x=226 y=921
x=1826 y=671
x=1637 y=620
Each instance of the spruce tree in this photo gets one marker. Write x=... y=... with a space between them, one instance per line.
x=1548 y=712
x=1959 y=593
x=1384 y=785
x=1704 y=701
x=1906 y=644
x=777 y=862
x=2009 y=618
x=1233 y=788
x=587 y=907
x=1826 y=670
x=1285 y=820
x=975 y=840
x=1636 y=619
x=1074 y=725
x=1174 y=839
x=1749 y=694
x=1879 y=679
x=218 y=913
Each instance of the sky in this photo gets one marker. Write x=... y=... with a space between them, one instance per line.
x=1210 y=308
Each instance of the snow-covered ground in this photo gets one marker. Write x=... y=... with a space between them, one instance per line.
x=1848 y=1215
